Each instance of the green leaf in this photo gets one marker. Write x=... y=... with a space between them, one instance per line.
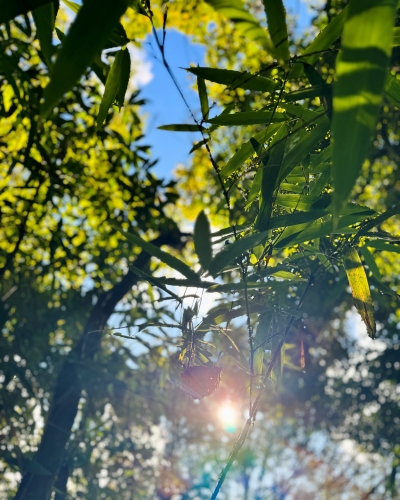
x=320 y=90
x=124 y=76
x=305 y=145
x=316 y=160
x=303 y=202
x=44 y=18
x=244 y=21
x=201 y=86
x=322 y=42
x=234 y=250
x=370 y=261
x=270 y=179
x=262 y=334
x=181 y=128
x=247 y=150
x=360 y=289
x=361 y=67
x=111 y=88
x=295 y=218
x=248 y=118
x=385 y=247
x=202 y=240
x=92 y=26
x=306 y=232
x=11 y=9
x=249 y=285
x=276 y=16
x=165 y=257
x=235 y=79
x=392 y=90
x=198 y=145
x=286 y=275
x=396 y=36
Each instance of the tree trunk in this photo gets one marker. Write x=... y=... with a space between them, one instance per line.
x=68 y=388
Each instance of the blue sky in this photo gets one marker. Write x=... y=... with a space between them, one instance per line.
x=164 y=102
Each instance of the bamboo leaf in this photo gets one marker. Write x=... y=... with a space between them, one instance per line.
x=92 y=26
x=361 y=68
x=370 y=261
x=384 y=247
x=234 y=250
x=247 y=150
x=201 y=86
x=202 y=240
x=234 y=79
x=124 y=76
x=153 y=281
x=270 y=179
x=276 y=16
x=165 y=257
x=249 y=285
x=111 y=88
x=360 y=289
x=320 y=90
x=181 y=128
x=248 y=118
x=244 y=21
x=392 y=90
x=44 y=18
x=198 y=145
x=305 y=145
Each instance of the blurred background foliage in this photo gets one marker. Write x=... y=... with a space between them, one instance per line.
x=329 y=430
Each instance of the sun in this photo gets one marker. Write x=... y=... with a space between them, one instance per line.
x=228 y=416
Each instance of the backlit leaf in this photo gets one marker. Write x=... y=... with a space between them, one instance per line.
x=234 y=250
x=361 y=67
x=247 y=150
x=360 y=289
x=44 y=18
x=370 y=261
x=92 y=26
x=124 y=76
x=111 y=88
x=244 y=21
x=202 y=89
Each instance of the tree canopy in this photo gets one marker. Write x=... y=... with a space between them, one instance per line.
x=232 y=333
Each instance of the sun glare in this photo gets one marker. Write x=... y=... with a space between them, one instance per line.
x=227 y=414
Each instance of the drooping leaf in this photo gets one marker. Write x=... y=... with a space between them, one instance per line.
x=198 y=145
x=111 y=88
x=250 y=285
x=249 y=118
x=234 y=79
x=165 y=257
x=361 y=68
x=202 y=89
x=244 y=21
x=270 y=178
x=185 y=283
x=202 y=240
x=153 y=281
x=247 y=150
x=124 y=76
x=262 y=334
x=370 y=261
x=92 y=26
x=181 y=128
x=44 y=18
x=360 y=289
x=234 y=250
x=276 y=16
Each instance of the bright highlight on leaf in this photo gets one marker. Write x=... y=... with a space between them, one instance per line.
x=360 y=289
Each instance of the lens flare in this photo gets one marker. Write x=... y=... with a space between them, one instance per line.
x=228 y=416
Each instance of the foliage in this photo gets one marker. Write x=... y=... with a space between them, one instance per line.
x=283 y=219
